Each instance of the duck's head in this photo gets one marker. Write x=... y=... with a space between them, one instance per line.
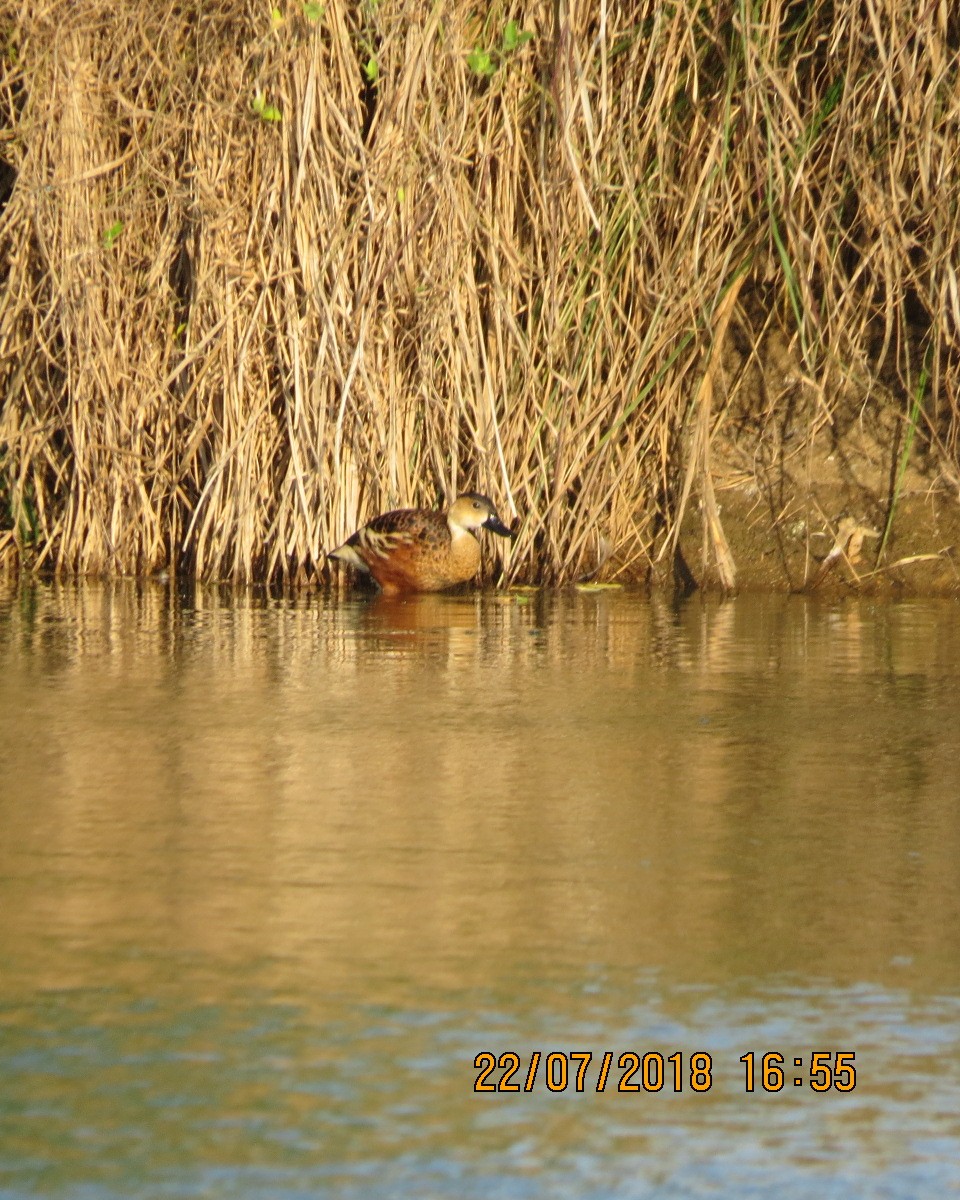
x=471 y=511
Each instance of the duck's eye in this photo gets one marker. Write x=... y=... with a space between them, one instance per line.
x=477 y=505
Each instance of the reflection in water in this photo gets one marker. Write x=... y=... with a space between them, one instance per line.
x=273 y=872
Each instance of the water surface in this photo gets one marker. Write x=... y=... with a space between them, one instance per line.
x=274 y=872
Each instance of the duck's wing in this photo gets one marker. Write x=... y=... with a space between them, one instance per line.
x=404 y=530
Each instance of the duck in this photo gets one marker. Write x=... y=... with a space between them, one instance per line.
x=420 y=549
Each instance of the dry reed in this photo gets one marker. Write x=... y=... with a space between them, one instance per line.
x=459 y=258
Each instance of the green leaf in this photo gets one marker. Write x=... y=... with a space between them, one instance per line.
x=481 y=62
x=371 y=69
x=514 y=37
x=265 y=111
x=313 y=12
x=110 y=235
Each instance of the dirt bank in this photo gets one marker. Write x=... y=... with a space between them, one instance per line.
x=843 y=493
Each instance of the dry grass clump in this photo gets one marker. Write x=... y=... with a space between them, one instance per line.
x=264 y=275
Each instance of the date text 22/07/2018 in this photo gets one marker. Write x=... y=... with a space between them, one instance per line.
x=826 y=1070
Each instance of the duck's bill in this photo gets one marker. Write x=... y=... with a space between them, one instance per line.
x=495 y=525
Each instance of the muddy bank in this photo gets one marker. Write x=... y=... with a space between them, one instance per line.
x=848 y=493
x=823 y=540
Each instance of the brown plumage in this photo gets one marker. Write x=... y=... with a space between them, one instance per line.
x=418 y=550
